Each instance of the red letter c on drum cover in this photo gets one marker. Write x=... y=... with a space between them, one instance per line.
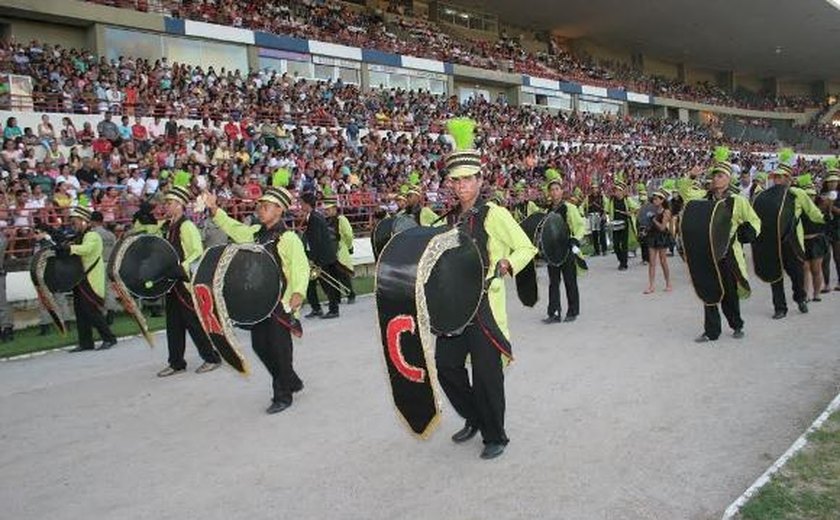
x=205 y=309
x=396 y=327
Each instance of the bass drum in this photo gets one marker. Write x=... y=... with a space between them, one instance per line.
x=146 y=264
x=251 y=281
x=775 y=207
x=387 y=228
x=429 y=281
x=553 y=239
x=705 y=227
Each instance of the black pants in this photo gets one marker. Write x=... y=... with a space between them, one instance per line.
x=482 y=404
x=620 y=244
x=273 y=345
x=332 y=293
x=87 y=306
x=568 y=272
x=599 y=241
x=730 y=304
x=347 y=280
x=795 y=270
x=180 y=319
x=833 y=250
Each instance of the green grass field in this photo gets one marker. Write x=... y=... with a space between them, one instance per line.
x=808 y=487
x=29 y=340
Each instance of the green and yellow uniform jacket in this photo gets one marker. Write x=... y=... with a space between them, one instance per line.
x=422 y=215
x=632 y=207
x=345 y=241
x=287 y=246
x=802 y=203
x=742 y=213
x=185 y=237
x=90 y=251
x=502 y=237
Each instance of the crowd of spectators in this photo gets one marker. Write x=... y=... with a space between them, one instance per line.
x=337 y=22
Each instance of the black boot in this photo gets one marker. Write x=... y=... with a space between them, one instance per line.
x=8 y=334
x=45 y=329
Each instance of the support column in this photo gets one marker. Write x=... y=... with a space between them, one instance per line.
x=819 y=89
x=771 y=86
x=726 y=80
x=681 y=73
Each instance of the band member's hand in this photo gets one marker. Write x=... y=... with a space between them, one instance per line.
x=576 y=250
x=210 y=202
x=296 y=301
x=504 y=267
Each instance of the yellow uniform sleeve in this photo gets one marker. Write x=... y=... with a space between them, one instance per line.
x=90 y=251
x=507 y=240
x=428 y=217
x=295 y=265
x=190 y=244
x=345 y=232
x=577 y=227
x=805 y=205
x=532 y=208
x=152 y=229
x=742 y=213
x=237 y=231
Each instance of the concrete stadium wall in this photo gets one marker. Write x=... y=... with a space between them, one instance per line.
x=750 y=82
x=600 y=52
x=86 y=13
x=68 y=36
x=794 y=88
x=660 y=67
x=699 y=75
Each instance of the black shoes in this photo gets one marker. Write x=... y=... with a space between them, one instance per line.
x=492 y=450
x=554 y=318
x=803 y=307
x=351 y=299
x=464 y=434
x=738 y=333
x=570 y=318
x=105 y=345
x=314 y=314
x=7 y=335
x=278 y=406
x=779 y=315
x=622 y=268
x=330 y=315
x=703 y=338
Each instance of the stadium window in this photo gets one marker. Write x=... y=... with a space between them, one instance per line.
x=324 y=72
x=379 y=79
x=121 y=42
x=299 y=69
x=399 y=81
x=348 y=75
x=437 y=86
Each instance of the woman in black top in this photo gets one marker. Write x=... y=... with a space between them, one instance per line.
x=659 y=240
x=816 y=247
x=830 y=204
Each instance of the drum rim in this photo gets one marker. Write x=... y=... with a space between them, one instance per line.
x=538 y=239
x=123 y=249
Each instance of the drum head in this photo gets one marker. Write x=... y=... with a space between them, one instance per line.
x=455 y=287
x=553 y=237
x=530 y=224
x=63 y=273
x=775 y=207
x=147 y=266
x=253 y=284
x=403 y=222
x=705 y=229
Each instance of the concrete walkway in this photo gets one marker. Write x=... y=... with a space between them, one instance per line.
x=617 y=416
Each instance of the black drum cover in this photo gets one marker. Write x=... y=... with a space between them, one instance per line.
x=403 y=222
x=252 y=283
x=37 y=272
x=63 y=273
x=530 y=224
x=146 y=264
x=553 y=239
x=215 y=324
x=705 y=228
x=775 y=207
x=429 y=280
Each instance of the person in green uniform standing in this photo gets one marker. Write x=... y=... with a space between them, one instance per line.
x=568 y=270
x=732 y=267
x=793 y=257
x=506 y=250
x=181 y=316
x=415 y=208
x=271 y=338
x=343 y=231
x=621 y=210
x=89 y=294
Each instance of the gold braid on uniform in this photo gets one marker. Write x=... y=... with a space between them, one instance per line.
x=219 y=299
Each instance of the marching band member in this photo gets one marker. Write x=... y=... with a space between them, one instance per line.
x=343 y=231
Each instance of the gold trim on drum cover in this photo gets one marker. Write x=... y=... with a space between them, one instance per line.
x=123 y=294
x=219 y=302
x=45 y=295
x=711 y=246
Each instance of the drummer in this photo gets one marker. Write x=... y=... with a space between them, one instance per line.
x=271 y=338
x=505 y=249
x=89 y=294
x=181 y=316
x=568 y=270
x=621 y=210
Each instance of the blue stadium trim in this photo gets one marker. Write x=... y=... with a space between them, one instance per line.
x=526 y=80
x=448 y=68
x=570 y=88
x=285 y=43
x=174 y=26
x=381 y=58
x=617 y=93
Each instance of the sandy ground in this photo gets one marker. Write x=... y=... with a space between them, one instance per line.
x=617 y=416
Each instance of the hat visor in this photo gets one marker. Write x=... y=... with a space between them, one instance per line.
x=459 y=172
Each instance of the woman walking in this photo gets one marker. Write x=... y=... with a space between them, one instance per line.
x=659 y=240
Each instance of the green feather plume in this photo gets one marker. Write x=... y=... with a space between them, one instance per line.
x=618 y=177
x=831 y=163
x=641 y=187
x=404 y=189
x=462 y=130
x=84 y=201
x=181 y=178
x=414 y=178
x=722 y=153
x=578 y=192
x=669 y=184
x=552 y=175
x=281 y=178
x=805 y=180
x=786 y=155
